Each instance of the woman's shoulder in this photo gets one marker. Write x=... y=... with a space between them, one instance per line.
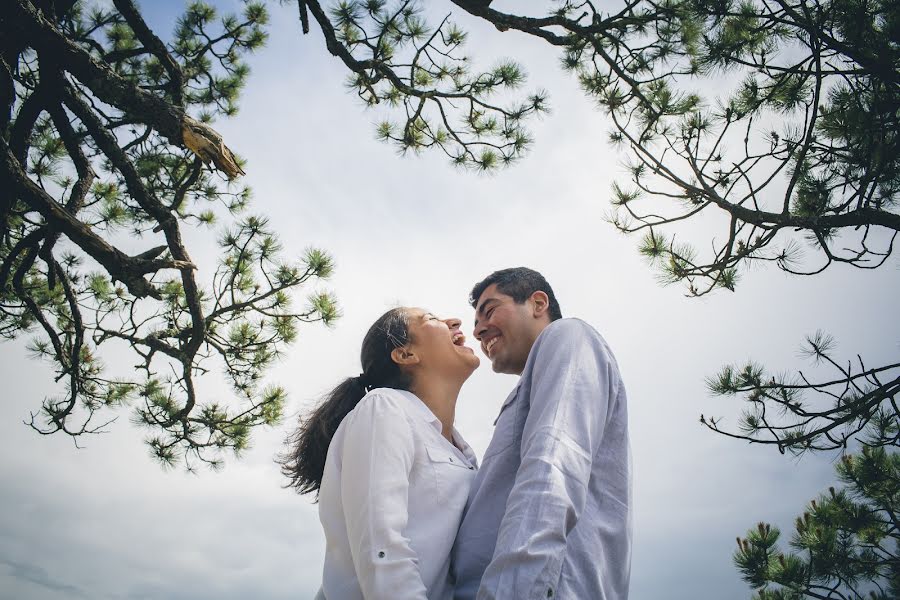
x=382 y=401
x=379 y=420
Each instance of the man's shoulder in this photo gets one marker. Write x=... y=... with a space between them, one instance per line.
x=567 y=330
x=570 y=338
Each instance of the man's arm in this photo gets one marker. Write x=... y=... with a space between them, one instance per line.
x=573 y=382
x=378 y=457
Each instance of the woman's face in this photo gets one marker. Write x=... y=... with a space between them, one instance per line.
x=438 y=345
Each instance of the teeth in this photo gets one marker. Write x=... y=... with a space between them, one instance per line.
x=491 y=343
x=458 y=338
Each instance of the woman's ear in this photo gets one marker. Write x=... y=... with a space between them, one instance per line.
x=404 y=356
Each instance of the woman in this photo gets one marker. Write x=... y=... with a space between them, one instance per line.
x=391 y=472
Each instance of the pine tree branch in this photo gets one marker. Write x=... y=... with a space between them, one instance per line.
x=884 y=68
x=105 y=84
x=117 y=264
x=154 y=45
x=505 y=21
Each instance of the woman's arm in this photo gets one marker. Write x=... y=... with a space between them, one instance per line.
x=378 y=456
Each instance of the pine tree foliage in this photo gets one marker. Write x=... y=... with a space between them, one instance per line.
x=106 y=147
x=777 y=123
x=845 y=546
x=778 y=119
x=799 y=414
x=397 y=59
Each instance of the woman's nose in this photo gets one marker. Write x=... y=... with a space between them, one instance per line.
x=453 y=323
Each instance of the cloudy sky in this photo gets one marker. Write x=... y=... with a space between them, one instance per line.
x=105 y=521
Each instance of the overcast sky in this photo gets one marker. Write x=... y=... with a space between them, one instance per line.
x=106 y=522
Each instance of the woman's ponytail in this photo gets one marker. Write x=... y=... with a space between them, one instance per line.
x=304 y=462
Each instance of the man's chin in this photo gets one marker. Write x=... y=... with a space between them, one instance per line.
x=498 y=366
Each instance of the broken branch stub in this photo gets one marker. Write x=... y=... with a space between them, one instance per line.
x=205 y=142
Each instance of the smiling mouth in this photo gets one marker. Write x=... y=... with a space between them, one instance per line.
x=459 y=340
x=488 y=348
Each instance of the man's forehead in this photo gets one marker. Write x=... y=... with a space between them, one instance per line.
x=489 y=293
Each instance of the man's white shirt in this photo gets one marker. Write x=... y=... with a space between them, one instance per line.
x=549 y=515
x=391 y=500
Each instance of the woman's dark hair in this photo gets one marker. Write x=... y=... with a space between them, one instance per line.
x=519 y=283
x=304 y=462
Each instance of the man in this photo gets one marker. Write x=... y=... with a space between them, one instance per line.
x=549 y=513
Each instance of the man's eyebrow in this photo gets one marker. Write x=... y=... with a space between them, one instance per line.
x=480 y=309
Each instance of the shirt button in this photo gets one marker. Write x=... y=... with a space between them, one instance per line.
x=381 y=554
x=549 y=592
x=451 y=459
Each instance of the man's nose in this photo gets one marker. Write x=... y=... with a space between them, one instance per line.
x=478 y=331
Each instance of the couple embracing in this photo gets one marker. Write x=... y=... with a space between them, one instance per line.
x=407 y=511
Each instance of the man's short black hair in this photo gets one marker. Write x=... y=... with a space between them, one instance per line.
x=519 y=283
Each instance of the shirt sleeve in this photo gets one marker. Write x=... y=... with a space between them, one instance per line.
x=378 y=456
x=573 y=382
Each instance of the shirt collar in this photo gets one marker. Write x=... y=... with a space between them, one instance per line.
x=420 y=409
x=509 y=399
x=464 y=447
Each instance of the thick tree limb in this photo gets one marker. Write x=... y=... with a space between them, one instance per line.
x=155 y=45
x=118 y=264
x=113 y=89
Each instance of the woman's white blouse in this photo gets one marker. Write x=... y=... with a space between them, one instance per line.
x=391 y=500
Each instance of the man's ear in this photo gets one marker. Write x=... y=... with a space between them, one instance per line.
x=404 y=356
x=540 y=304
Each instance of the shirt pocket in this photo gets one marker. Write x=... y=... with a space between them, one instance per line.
x=449 y=471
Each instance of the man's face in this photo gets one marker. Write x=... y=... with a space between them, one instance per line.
x=507 y=330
